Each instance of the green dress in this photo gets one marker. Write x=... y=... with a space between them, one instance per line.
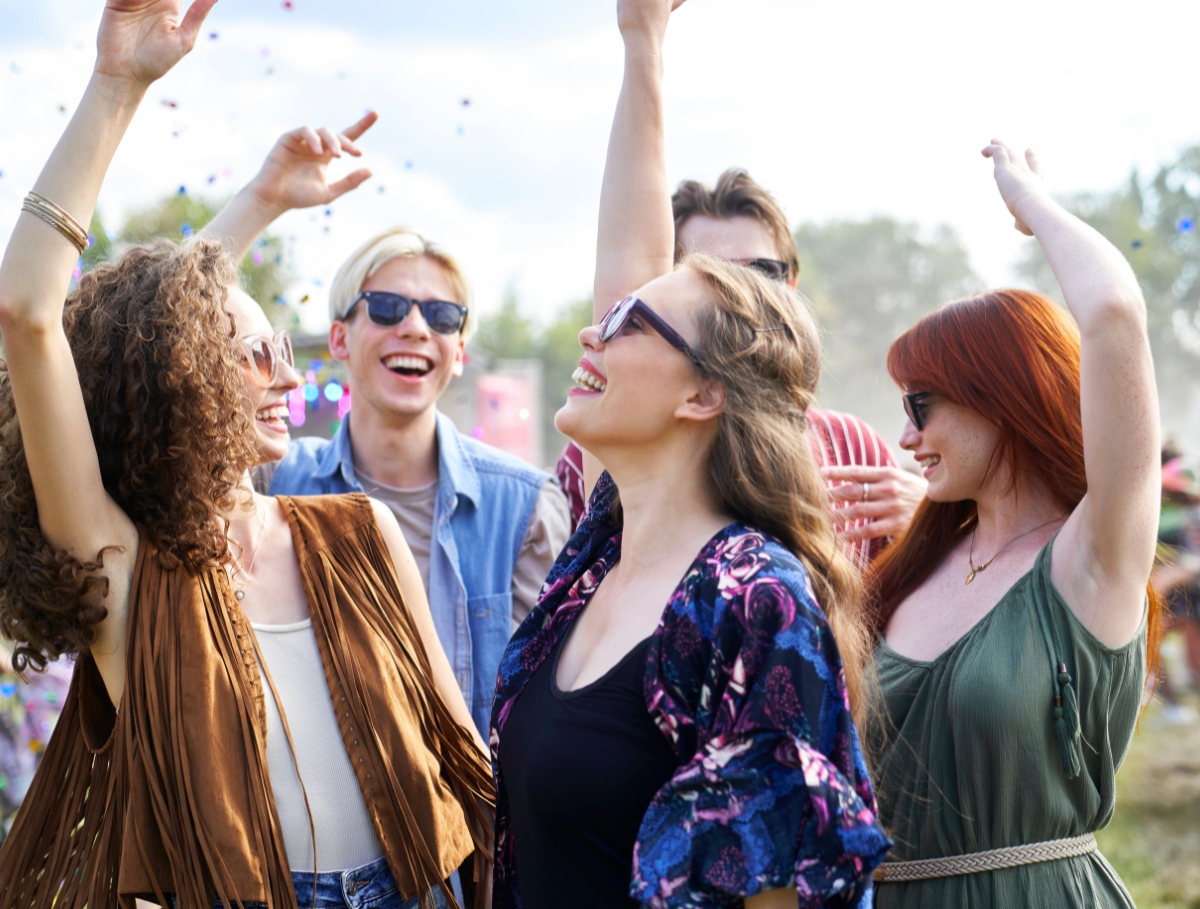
x=968 y=756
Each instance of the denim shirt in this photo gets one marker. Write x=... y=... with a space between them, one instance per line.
x=485 y=500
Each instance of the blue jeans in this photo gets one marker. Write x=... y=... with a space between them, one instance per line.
x=367 y=887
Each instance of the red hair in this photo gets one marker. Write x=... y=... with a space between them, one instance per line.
x=1013 y=357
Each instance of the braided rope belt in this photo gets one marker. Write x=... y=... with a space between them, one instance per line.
x=991 y=860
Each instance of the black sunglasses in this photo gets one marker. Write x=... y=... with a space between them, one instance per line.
x=916 y=406
x=614 y=320
x=772 y=268
x=390 y=309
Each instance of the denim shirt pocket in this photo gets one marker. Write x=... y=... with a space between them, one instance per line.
x=490 y=619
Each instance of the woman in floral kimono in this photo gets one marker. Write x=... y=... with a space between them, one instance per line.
x=672 y=724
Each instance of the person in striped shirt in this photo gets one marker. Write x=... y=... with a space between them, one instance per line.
x=873 y=499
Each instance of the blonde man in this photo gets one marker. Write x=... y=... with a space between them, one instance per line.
x=483 y=526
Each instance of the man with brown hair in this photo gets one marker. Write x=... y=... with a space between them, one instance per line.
x=736 y=220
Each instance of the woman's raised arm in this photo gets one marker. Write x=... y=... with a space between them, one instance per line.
x=635 y=240
x=139 y=41
x=1104 y=553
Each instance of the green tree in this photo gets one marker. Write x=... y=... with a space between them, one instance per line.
x=1154 y=223
x=264 y=272
x=510 y=333
x=868 y=281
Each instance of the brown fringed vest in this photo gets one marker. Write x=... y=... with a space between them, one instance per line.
x=171 y=792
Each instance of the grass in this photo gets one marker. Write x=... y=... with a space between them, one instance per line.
x=1154 y=839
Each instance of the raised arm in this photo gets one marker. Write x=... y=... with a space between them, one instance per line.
x=294 y=175
x=1105 y=552
x=139 y=41
x=636 y=237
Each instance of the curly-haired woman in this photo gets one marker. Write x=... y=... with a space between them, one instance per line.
x=672 y=722
x=261 y=712
x=1013 y=615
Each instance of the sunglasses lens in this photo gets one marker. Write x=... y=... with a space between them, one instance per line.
x=387 y=309
x=615 y=318
x=263 y=355
x=916 y=410
x=769 y=267
x=444 y=318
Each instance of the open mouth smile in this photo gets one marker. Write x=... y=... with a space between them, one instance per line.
x=274 y=417
x=409 y=366
x=587 y=379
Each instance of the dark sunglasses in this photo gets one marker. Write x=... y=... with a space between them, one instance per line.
x=265 y=354
x=916 y=406
x=772 y=268
x=390 y=309
x=614 y=320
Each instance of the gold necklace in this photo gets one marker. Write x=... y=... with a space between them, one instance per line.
x=975 y=569
x=248 y=573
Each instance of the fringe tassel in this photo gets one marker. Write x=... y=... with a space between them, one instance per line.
x=366 y=567
x=1066 y=724
x=64 y=849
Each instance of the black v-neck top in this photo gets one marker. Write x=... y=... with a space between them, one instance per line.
x=581 y=767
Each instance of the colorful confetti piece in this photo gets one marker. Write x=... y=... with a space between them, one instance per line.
x=1186 y=225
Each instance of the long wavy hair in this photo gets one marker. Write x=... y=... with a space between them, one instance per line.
x=1013 y=357
x=759 y=341
x=162 y=379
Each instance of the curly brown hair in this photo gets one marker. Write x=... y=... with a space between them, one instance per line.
x=162 y=379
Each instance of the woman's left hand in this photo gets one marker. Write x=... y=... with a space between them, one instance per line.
x=140 y=40
x=1016 y=178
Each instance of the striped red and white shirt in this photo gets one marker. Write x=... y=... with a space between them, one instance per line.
x=837 y=440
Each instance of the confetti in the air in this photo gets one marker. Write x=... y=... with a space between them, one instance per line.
x=1136 y=244
x=408 y=165
x=213 y=36
x=171 y=104
x=62 y=108
x=288 y=4
x=466 y=102
x=1186 y=225
x=183 y=190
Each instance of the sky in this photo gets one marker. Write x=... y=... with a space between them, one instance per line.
x=495 y=116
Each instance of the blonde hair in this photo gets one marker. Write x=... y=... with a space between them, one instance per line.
x=393 y=243
x=759 y=342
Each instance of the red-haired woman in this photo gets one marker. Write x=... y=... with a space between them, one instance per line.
x=1013 y=614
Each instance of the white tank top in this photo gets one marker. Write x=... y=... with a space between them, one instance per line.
x=345 y=835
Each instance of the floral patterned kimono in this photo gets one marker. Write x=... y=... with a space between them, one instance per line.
x=744 y=679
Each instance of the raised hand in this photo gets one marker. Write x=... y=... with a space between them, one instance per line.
x=296 y=172
x=1016 y=178
x=140 y=40
x=645 y=18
